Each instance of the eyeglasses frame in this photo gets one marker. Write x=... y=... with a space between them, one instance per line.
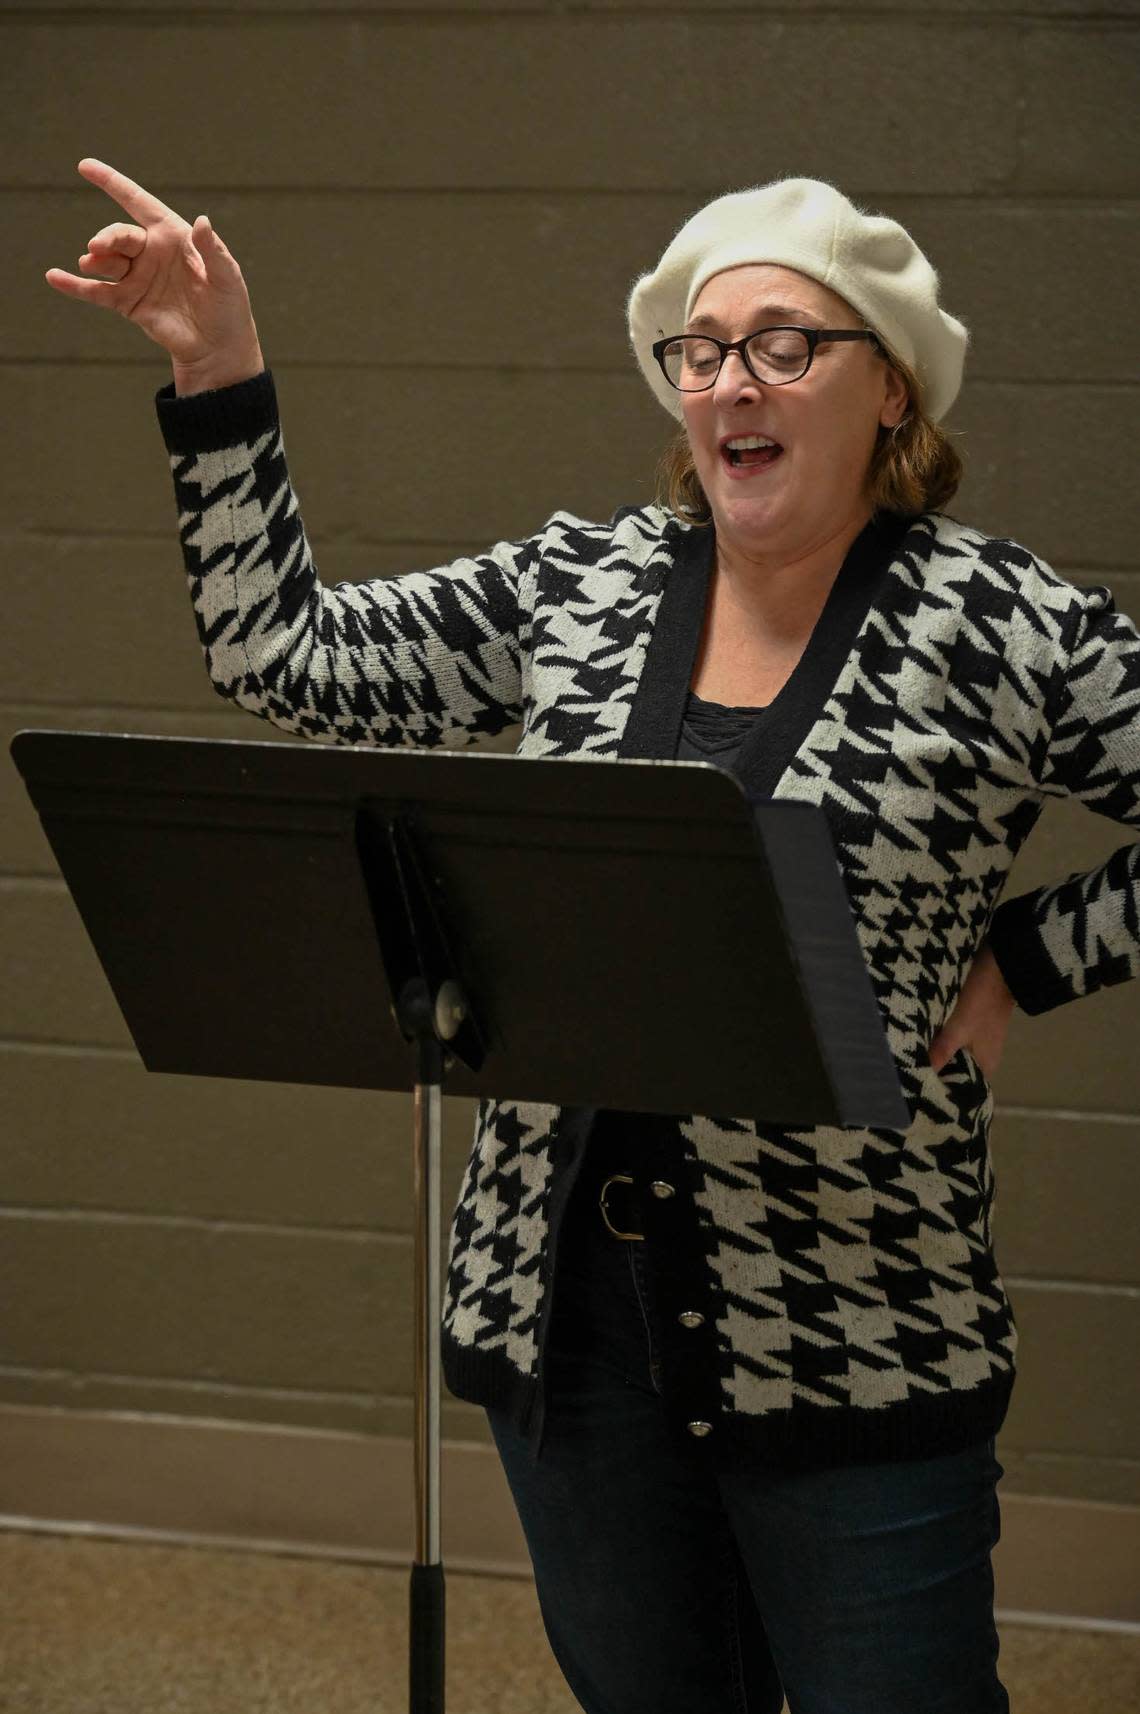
x=814 y=336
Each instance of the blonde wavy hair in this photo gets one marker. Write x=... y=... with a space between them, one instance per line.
x=914 y=467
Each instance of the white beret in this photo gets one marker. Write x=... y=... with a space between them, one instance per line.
x=870 y=261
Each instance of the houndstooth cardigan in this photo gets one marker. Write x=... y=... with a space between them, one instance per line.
x=851 y=1303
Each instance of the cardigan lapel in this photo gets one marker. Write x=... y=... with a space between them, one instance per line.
x=658 y=707
x=654 y=722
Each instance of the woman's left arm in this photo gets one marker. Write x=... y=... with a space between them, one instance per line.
x=1060 y=942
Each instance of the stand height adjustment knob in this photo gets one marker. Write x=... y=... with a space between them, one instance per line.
x=450 y=1010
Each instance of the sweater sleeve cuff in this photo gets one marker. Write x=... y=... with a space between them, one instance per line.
x=224 y=416
x=1015 y=941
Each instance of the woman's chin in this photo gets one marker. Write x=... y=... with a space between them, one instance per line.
x=747 y=514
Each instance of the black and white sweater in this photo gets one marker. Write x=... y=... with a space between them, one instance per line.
x=853 y=1309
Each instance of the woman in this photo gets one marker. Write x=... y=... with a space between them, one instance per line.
x=745 y=1380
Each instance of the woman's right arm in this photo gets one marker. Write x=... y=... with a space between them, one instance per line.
x=427 y=658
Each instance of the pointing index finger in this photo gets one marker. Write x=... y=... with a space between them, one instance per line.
x=147 y=209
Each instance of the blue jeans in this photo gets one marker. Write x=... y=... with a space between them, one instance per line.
x=669 y=1587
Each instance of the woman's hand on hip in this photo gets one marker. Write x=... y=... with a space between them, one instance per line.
x=175 y=281
x=980 y=1020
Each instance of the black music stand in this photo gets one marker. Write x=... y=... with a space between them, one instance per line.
x=475 y=909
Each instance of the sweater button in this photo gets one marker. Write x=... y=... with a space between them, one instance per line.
x=700 y=1429
x=660 y=1189
x=691 y=1318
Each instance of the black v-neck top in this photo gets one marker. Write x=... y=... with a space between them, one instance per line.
x=714 y=732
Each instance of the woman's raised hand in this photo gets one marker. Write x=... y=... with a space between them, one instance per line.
x=176 y=282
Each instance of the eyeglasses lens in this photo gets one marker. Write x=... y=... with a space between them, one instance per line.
x=776 y=355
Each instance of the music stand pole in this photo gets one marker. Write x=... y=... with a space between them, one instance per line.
x=426 y=1611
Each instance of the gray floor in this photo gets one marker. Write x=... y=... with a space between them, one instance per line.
x=100 y=1627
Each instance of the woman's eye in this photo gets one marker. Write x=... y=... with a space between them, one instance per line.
x=778 y=348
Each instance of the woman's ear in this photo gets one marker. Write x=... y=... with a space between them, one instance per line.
x=896 y=398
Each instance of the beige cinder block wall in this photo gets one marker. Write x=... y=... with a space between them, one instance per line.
x=439 y=212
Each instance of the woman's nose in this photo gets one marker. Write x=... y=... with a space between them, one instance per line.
x=734 y=378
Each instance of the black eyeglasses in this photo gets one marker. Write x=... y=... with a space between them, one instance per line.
x=691 y=362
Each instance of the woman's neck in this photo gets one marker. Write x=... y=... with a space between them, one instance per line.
x=759 y=579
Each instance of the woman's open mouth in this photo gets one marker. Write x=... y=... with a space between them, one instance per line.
x=743 y=453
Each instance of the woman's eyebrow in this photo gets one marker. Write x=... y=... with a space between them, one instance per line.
x=764 y=316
